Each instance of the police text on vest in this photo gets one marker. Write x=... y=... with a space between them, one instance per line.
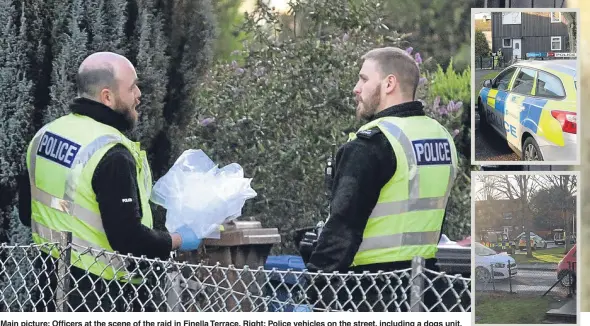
x=58 y=149
x=432 y=151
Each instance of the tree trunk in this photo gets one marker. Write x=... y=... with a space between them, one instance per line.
x=568 y=231
x=527 y=227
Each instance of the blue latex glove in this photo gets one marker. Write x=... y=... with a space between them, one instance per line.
x=190 y=241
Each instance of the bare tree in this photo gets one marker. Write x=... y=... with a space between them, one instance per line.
x=565 y=197
x=488 y=190
x=485 y=194
x=521 y=188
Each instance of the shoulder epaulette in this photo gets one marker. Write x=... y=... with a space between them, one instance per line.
x=368 y=134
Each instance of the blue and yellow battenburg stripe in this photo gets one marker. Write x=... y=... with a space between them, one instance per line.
x=533 y=117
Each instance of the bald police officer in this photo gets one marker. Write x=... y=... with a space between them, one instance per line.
x=84 y=176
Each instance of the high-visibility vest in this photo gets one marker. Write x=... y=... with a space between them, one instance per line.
x=61 y=160
x=407 y=219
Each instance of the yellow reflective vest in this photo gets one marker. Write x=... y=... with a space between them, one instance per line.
x=61 y=160
x=407 y=219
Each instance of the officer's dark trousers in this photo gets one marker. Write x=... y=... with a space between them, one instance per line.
x=87 y=292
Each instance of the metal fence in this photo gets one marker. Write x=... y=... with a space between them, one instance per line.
x=541 y=279
x=490 y=62
x=494 y=62
x=32 y=280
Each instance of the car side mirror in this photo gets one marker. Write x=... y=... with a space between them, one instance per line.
x=487 y=83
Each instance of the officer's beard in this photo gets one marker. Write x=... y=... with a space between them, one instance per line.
x=128 y=113
x=367 y=109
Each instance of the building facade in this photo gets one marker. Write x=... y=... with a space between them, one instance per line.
x=518 y=33
x=505 y=215
x=499 y=215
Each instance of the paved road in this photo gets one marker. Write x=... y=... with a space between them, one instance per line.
x=491 y=147
x=525 y=281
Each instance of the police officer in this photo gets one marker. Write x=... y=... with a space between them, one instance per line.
x=392 y=180
x=84 y=176
x=500 y=57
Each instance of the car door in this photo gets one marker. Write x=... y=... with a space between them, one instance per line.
x=516 y=110
x=552 y=95
x=497 y=99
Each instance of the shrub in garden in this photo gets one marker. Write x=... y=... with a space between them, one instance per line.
x=280 y=113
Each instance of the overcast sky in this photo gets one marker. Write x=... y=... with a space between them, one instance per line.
x=479 y=184
x=280 y=5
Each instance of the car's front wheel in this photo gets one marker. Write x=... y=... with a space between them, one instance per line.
x=482 y=274
x=531 y=151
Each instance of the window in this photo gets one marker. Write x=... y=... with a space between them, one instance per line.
x=523 y=84
x=507 y=43
x=507 y=216
x=555 y=43
x=511 y=18
x=549 y=86
x=481 y=250
x=501 y=82
x=516 y=46
x=556 y=17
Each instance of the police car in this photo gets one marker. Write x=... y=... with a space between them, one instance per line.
x=536 y=241
x=532 y=105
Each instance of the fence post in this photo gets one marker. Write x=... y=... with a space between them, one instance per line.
x=173 y=297
x=63 y=271
x=571 y=280
x=510 y=276
x=493 y=278
x=417 y=284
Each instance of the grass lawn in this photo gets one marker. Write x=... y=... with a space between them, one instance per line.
x=490 y=75
x=479 y=80
x=511 y=309
x=553 y=255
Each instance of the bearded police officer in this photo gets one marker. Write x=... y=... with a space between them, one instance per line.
x=84 y=176
x=392 y=180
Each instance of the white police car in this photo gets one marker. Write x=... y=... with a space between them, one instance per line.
x=532 y=105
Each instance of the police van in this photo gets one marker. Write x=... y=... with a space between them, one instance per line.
x=533 y=106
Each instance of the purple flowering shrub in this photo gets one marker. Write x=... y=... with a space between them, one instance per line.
x=446 y=95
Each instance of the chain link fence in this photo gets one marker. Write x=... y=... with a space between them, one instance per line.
x=31 y=279
x=530 y=279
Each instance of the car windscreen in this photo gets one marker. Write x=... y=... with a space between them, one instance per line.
x=481 y=250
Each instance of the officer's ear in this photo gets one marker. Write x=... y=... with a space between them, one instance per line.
x=107 y=97
x=390 y=83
